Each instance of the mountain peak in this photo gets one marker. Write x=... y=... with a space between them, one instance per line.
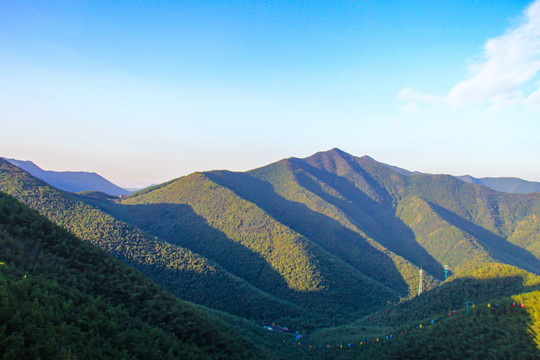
x=341 y=153
x=367 y=157
x=336 y=150
x=332 y=153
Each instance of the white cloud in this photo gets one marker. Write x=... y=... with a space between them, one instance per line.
x=533 y=100
x=409 y=107
x=412 y=97
x=502 y=78
x=411 y=94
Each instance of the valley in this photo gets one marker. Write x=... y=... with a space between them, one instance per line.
x=330 y=246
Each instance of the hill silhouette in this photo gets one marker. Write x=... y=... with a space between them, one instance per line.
x=504 y=184
x=72 y=181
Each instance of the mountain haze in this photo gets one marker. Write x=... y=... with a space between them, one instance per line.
x=504 y=184
x=72 y=181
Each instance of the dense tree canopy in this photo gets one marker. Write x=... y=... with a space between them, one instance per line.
x=63 y=298
x=330 y=240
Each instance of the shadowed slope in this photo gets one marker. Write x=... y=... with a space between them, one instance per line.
x=376 y=218
x=313 y=277
x=487 y=217
x=325 y=231
x=63 y=298
x=182 y=272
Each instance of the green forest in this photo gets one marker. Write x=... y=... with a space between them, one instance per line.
x=498 y=329
x=330 y=247
x=179 y=270
x=63 y=298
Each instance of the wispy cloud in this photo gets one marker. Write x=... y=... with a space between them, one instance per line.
x=533 y=100
x=412 y=98
x=504 y=75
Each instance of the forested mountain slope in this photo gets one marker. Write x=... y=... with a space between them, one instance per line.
x=63 y=298
x=321 y=223
x=387 y=224
x=498 y=329
x=489 y=217
x=307 y=242
x=185 y=274
x=373 y=221
x=250 y=243
x=435 y=325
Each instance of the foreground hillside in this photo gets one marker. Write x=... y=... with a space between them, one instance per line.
x=480 y=285
x=499 y=329
x=63 y=298
x=435 y=325
x=185 y=274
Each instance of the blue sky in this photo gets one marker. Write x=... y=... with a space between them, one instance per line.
x=143 y=92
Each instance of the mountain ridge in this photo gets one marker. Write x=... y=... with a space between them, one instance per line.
x=504 y=184
x=179 y=270
x=72 y=181
x=316 y=240
x=327 y=240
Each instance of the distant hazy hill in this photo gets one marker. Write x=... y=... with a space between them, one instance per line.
x=504 y=184
x=73 y=181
